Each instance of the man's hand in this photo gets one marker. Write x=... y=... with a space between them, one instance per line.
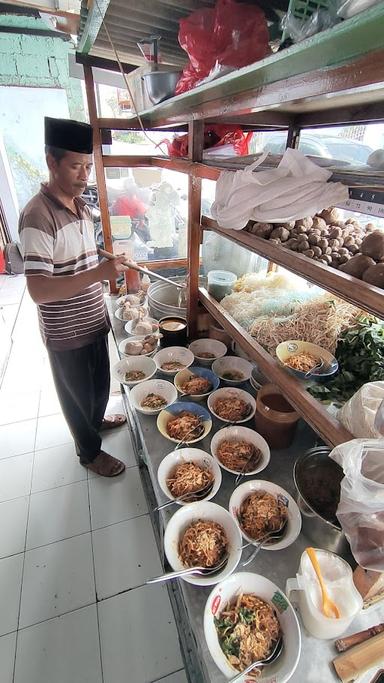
x=109 y=270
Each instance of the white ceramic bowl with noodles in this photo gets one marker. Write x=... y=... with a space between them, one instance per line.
x=207 y=511
x=140 y=363
x=183 y=455
x=235 y=433
x=293 y=527
x=232 y=393
x=228 y=590
x=212 y=346
x=179 y=407
x=160 y=387
x=193 y=371
x=225 y=367
x=171 y=354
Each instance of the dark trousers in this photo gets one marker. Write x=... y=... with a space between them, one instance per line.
x=82 y=381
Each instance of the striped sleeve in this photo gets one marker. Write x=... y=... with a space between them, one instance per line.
x=37 y=244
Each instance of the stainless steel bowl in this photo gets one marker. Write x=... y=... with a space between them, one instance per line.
x=322 y=532
x=161 y=84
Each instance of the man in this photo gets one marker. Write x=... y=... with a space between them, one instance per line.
x=64 y=280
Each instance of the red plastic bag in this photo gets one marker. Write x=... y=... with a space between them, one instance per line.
x=229 y=34
x=214 y=136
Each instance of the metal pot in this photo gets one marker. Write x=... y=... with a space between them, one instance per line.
x=322 y=532
x=161 y=84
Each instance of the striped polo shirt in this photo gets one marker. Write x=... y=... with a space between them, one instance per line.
x=56 y=241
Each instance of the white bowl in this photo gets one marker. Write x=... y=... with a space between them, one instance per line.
x=142 y=363
x=173 y=353
x=294 y=517
x=241 y=434
x=206 y=511
x=130 y=330
x=207 y=346
x=119 y=313
x=153 y=386
x=175 y=409
x=232 y=392
x=183 y=376
x=123 y=343
x=246 y=582
x=196 y=455
x=232 y=364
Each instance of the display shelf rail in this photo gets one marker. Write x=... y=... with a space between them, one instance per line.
x=359 y=293
x=327 y=426
x=364 y=180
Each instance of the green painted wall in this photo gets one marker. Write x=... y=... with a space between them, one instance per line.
x=38 y=62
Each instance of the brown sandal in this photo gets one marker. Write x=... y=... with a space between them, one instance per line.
x=106 y=465
x=112 y=421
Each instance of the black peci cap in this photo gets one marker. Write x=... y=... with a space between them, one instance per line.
x=73 y=136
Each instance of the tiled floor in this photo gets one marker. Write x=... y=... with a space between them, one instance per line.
x=74 y=549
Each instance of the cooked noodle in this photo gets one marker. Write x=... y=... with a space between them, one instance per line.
x=248 y=630
x=260 y=513
x=203 y=544
x=238 y=456
x=302 y=361
x=196 y=385
x=187 y=478
x=185 y=425
x=231 y=408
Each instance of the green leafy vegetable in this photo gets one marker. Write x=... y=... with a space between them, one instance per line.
x=360 y=352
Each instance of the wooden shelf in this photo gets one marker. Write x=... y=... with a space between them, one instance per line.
x=337 y=68
x=357 y=292
x=328 y=427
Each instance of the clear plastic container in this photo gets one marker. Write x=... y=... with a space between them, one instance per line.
x=220 y=283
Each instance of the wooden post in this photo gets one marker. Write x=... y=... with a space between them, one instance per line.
x=195 y=153
x=99 y=166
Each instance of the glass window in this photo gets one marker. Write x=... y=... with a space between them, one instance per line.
x=149 y=212
x=344 y=144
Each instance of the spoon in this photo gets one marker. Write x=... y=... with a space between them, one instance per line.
x=275 y=535
x=314 y=370
x=188 y=497
x=107 y=255
x=204 y=571
x=262 y=662
x=330 y=609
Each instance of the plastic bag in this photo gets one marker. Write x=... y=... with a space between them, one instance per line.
x=348 y=8
x=230 y=34
x=359 y=413
x=299 y=29
x=361 y=507
x=214 y=136
x=379 y=420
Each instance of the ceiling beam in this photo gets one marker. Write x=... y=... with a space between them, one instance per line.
x=102 y=63
x=96 y=13
x=46 y=33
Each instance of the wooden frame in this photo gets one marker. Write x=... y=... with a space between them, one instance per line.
x=349 y=92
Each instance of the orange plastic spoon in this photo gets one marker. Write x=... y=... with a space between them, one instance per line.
x=330 y=609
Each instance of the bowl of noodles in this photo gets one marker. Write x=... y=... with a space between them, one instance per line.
x=201 y=534
x=232 y=405
x=240 y=449
x=184 y=421
x=196 y=382
x=260 y=507
x=244 y=617
x=300 y=357
x=189 y=470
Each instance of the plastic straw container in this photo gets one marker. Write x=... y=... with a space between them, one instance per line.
x=275 y=418
x=220 y=283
